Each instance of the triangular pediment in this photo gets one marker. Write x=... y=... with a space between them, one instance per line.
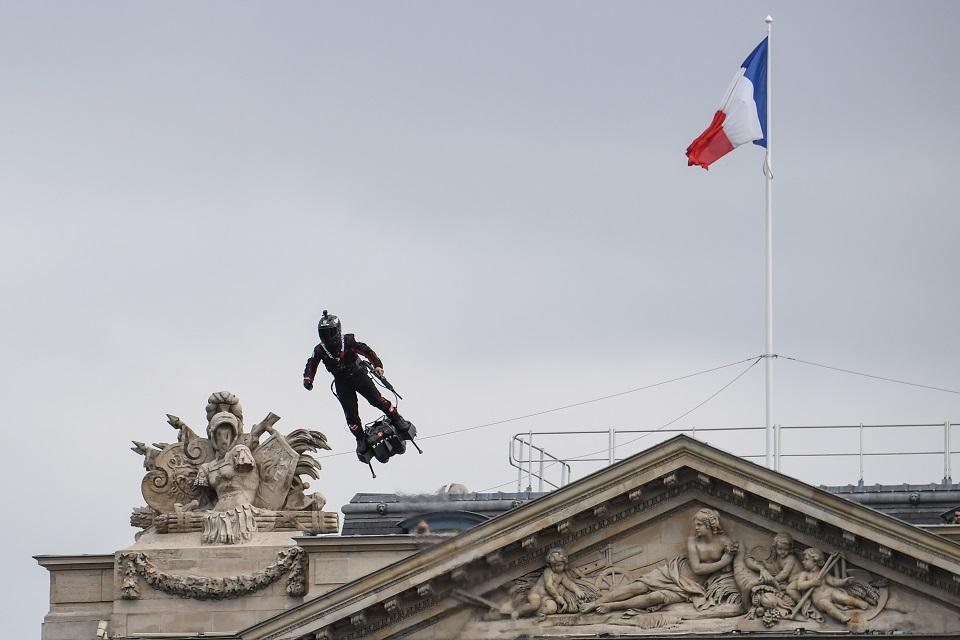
x=635 y=565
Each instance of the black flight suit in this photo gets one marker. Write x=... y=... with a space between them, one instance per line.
x=350 y=378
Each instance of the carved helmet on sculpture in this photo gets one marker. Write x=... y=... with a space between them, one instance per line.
x=330 y=333
x=220 y=420
x=224 y=401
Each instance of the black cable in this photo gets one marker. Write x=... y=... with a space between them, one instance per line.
x=800 y=360
x=664 y=426
x=868 y=375
x=681 y=416
x=502 y=484
x=689 y=411
x=570 y=406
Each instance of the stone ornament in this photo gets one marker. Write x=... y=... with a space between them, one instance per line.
x=684 y=558
x=703 y=577
x=312 y=522
x=172 y=469
x=134 y=566
x=237 y=485
x=715 y=579
x=556 y=589
x=827 y=594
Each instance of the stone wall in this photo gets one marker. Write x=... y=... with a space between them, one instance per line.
x=87 y=589
x=81 y=594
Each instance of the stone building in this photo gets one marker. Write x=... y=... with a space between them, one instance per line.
x=679 y=539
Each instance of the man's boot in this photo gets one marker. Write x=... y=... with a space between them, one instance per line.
x=361 y=437
x=401 y=425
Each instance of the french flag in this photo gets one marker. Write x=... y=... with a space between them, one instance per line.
x=742 y=117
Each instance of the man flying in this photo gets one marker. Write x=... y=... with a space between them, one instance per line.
x=341 y=354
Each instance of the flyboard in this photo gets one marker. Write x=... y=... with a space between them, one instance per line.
x=384 y=440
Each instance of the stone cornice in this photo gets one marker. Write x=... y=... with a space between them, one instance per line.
x=392 y=543
x=75 y=562
x=948 y=531
x=656 y=467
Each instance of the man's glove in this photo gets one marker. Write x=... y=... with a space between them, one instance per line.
x=308 y=384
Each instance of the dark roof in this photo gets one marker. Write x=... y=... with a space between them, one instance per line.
x=389 y=513
x=914 y=503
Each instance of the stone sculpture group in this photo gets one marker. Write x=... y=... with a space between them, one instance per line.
x=229 y=485
x=715 y=578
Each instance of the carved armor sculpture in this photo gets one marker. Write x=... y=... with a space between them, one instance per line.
x=233 y=475
x=234 y=478
x=228 y=485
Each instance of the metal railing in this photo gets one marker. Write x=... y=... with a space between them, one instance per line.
x=543 y=458
x=538 y=462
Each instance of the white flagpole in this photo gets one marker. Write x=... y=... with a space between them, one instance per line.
x=768 y=172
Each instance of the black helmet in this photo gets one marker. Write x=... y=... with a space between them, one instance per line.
x=329 y=330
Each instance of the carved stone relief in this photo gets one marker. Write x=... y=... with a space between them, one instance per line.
x=134 y=566
x=556 y=589
x=228 y=485
x=699 y=572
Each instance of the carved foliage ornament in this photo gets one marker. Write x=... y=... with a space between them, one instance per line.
x=133 y=566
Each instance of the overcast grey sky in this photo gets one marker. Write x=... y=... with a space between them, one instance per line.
x=493 y=195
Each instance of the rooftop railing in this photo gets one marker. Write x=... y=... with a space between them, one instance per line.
x=538 y=466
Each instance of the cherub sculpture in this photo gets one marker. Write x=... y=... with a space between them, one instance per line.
x=557 y=590
x=779 y=566
x=762 y=580
x=829 y=594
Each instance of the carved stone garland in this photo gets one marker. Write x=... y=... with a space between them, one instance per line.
x=136 y=565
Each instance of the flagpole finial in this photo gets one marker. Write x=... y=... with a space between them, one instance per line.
x=768 y=19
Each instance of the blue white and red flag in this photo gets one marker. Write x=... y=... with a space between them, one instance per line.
x=742 y=116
